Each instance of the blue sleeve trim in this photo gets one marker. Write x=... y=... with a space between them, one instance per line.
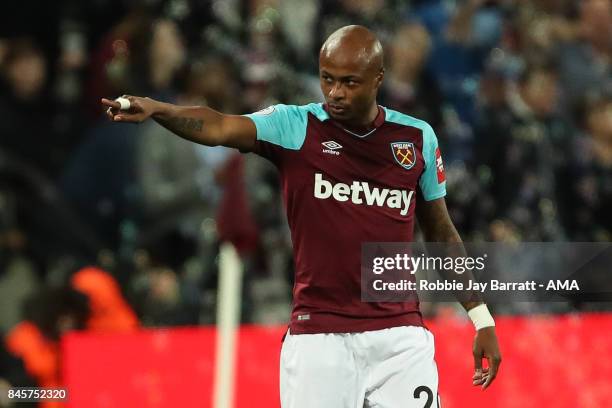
x=284 y=125
x=435 y=196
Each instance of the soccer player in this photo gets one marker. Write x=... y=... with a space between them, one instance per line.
x=336 y=160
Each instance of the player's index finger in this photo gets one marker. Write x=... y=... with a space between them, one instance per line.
x=110 y=103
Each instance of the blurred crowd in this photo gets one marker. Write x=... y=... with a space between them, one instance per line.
x=519 y=93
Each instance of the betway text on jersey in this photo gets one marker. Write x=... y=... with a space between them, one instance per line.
x=360 y=192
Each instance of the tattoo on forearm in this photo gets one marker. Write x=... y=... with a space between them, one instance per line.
x=186 y=124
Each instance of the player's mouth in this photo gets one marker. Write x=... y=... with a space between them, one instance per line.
x=337 y=109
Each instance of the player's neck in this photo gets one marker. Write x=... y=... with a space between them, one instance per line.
x=372 y=115
x=368 y=121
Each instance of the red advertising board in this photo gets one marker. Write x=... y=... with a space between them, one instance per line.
x=562 y=361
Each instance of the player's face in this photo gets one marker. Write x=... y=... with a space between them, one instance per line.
x=349 y=88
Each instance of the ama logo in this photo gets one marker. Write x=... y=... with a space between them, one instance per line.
x=404 y=154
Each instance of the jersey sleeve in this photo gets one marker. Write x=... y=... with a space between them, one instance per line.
x=433 y=180
x=279 y=127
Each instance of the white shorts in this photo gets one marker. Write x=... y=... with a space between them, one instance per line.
x=390 y=368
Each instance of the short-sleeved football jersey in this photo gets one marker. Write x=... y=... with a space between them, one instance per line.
x=342 y=189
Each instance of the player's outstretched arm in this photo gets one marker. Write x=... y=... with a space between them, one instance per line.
x=437 y=226
x=199 y=124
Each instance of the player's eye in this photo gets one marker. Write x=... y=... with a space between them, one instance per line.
x=327 y=79
x=351 y=82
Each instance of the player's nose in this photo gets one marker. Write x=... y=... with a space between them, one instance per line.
x=336 y=91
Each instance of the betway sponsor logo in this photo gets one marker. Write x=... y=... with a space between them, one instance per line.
x=360 y=192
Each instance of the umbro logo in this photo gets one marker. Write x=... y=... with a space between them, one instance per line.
x=331 y=147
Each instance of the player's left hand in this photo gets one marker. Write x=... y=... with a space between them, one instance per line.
x=486 y=346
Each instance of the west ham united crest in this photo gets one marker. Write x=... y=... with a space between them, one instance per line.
x=404 y=154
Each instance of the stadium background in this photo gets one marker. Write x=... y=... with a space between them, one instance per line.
x=109 y=234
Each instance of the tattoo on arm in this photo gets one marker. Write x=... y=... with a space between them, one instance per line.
x=186 y=124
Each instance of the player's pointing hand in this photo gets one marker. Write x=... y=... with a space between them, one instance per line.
x=130 y=109
x=486 y=346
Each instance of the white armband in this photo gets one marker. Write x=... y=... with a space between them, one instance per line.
x=481 y=317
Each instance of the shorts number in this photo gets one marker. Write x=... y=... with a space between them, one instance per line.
x=424 y=389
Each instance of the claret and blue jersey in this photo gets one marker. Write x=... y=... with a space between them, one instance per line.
x=340 y=189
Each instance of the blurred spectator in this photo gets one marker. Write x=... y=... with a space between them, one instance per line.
x=589 y=175
x=37 y=226
x=586 y=62
x=26 y=129
x=458 y=56
x=108 y=310
x=35 y=340
x=523 y=148
x=408 y=86
x=101 y=180
x=155 y=56
x=213 y=81
x=92 y=302
x=161 y=294
x=120 y=62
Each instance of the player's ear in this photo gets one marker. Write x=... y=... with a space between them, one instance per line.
x=379 y=77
